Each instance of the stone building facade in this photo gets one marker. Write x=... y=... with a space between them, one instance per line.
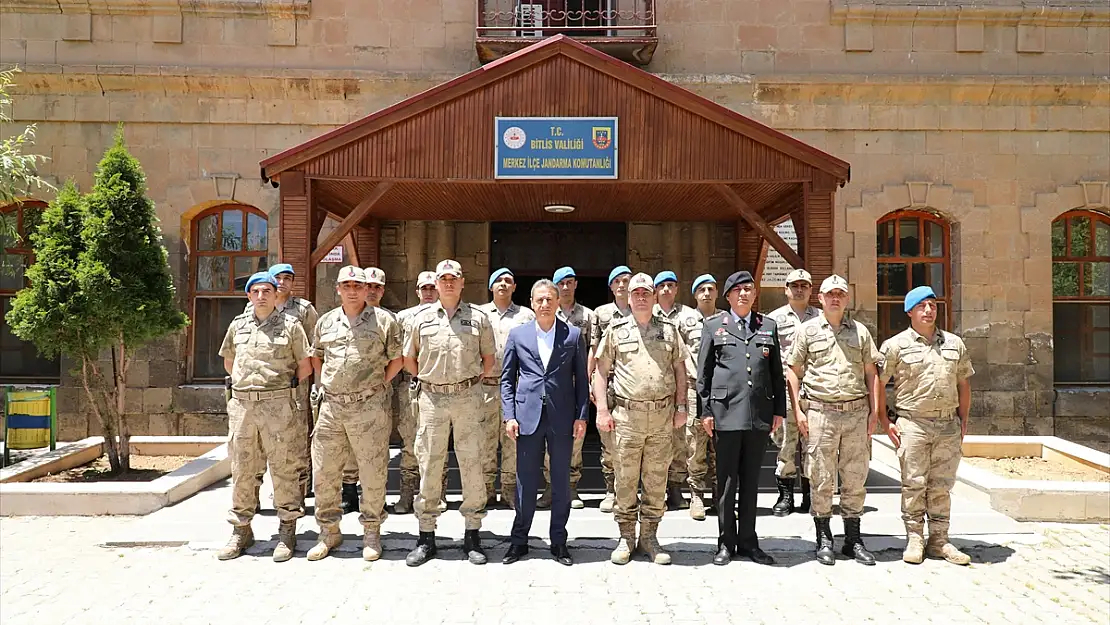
x=971 y=128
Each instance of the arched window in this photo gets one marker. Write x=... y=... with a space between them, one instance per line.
x=19 y=360
x=913 y=250
x=1081 y=297
x=227 y=244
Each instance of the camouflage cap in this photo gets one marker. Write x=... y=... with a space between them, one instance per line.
x=426 y=278
x=350 y=273
x=798 y=275
x=833 y=283
x=448 y=267
x=641 y=281
x=375 y=275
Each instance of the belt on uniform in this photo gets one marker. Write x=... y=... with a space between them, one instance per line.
x=449 y=388
x=491 y=381
x=262 y=395
x=848 y=404
x=651 y=404
x=350 y=398
x=944 y=413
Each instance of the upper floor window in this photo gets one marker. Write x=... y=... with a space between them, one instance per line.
x=19 y=359
x=913 y=250
x=227 y=244
x=1081 y=297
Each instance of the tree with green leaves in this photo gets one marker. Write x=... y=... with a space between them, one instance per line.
x=101 y=282
x=18 y=171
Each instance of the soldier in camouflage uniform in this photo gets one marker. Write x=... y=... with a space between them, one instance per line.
x=797 y=311
x=503 y=315
x=356 y=353
x=932 y=399
x=265 y=351
x=405 y=416
x=579 y=316
x=302 y=310
x=603 y=317
x=449 y=349
x=689 y=328
x=647 y=359
x=832 y=378
x=700 y=459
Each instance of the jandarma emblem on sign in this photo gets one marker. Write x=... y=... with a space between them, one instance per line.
x=555 y=147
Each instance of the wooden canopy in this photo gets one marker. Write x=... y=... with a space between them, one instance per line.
x=431 y=157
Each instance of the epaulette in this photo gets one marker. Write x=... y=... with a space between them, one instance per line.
x=715 y=315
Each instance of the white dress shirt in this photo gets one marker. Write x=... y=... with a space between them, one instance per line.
x=546 y=342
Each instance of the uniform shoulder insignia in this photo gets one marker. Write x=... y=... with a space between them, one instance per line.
x=715 y=316
x=622 y=333
x=904 y=342
x=811 y=330
x=691 y=322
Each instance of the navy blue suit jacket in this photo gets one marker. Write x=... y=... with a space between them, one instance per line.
x=526 y=385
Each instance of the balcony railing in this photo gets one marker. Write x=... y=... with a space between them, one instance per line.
x=625 y=29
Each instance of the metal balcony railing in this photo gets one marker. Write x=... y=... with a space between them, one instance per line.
x=594 y=20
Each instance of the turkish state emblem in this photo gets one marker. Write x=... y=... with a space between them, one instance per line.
x=603 y=137
x=766 y=352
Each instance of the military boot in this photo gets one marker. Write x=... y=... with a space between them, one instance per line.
x=242 y=537
x=697 y=506
x=938 y=547
x=508 y=494
x=371 y=544
x=404 y=504
x=803 y=507
x=785 y=505
x=544 y=502
x=287 y=541
x=472 y=547
x=675 y=501
x=329 y=539
x=853 y=543
x=915 y=547
x=625 y=545
x=350 y=498
x=610 y=496
x=576 y=501
x=425 y=549
x=650 y=545
x=824 y=553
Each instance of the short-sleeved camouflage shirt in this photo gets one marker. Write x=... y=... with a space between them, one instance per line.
x=502 y=322
x=297 y=307
x=605 y=315
x=688 y=321
x=264 y=353
x=833 y=360
x=446 y=350
x=788 y=323
x=355 y=356
x=926 y=373
x=642 y=359
x=580 y=317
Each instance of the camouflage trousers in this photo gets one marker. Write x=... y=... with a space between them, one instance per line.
x=304 y=409
x=358 y=430
x=701 y=462
x=786 y=465
x=404 y=420
x=270 y=432
x=350 y=467
x=641 y=454
x=929 y=454
x=838 y=443
x=495 y=435
x=439 y=415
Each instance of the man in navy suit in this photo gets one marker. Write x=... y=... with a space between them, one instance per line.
x=544 y=395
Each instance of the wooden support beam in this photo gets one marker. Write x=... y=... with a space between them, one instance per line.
x=760 y=225
x=350 y=221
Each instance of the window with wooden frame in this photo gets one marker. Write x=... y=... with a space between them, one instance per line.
x=913 y=249
x=227 y=244
x=1081 y=297
x=20 y=361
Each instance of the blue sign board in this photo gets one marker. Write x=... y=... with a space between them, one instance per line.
x=555 y=147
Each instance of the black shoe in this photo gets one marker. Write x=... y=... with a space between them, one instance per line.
x=853 y=543
x=350 y=498
x=562 y=555
x=785 y=505
x=825 y=553
x=804 y=505
x=425 y=549
x=472 y=546
x=757 y=555
x=515 y=552
x=723 y=557
x=675 y=500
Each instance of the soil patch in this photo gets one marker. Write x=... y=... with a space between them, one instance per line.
x=1032 y=468
x=143 y=469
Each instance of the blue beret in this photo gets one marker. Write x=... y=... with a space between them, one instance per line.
x=282 y=268
x=918 y=295
x=618 y=271
x=702 y=279
x=261 y=276
x=563 y=273
x=497 y=274
x=663 y=276
x=738 y=278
